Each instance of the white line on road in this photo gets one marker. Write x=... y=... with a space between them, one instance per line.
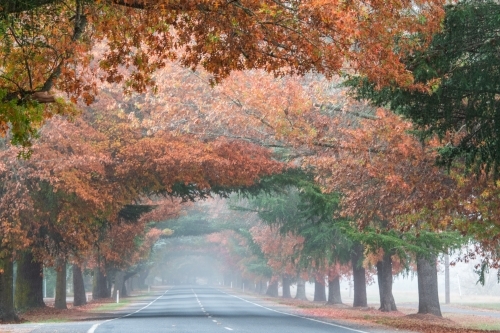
x=94 y=327
x=229 y=329
x=294 y=315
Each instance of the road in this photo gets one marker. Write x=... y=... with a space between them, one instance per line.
x=198 y=309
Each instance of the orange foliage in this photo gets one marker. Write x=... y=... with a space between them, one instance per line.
x=74 y=47
x=383 y=172
x=281 y=251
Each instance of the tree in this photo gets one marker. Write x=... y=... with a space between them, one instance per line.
x=78 y=179
x=279 y=37
x=29 y=282
x=7 y=310
x=461 y=106
x=80 y=296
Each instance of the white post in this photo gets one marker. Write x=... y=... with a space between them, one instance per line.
x=117 y=296
x=44 y=286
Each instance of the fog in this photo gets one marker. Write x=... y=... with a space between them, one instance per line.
x=207 y=248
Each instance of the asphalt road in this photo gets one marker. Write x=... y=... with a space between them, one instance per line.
x=199 y=309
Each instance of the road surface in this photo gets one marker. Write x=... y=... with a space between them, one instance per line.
x=198 y=309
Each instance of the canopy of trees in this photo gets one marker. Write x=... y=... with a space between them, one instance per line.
x=246 y=97
x=72 y=46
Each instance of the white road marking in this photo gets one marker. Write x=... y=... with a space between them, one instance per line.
x=229 y=329
x=294 y=315
x=214 y=320
x=94 y=327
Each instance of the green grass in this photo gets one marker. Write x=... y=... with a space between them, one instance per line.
x=112 y=306
x=487 y=306
x=54 y=320
x=485 y=327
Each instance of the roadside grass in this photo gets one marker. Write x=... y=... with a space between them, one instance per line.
x=54 y=320
x=93 y=309
x=485 y=327
x=487 y=306
x=112 y=306
x=406 y=319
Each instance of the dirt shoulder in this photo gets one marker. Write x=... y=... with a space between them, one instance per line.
x=404 y=319
x=100 y=309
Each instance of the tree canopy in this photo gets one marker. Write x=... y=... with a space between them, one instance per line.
x=461 y=67
x=72 y=46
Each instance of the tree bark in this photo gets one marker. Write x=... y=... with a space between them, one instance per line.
x=262 y=287
x=109 y=284
x=286 y=287
x=7 y=310
x=143 y=274
x=99 y=285
x=80 y=298
x=301 y=290
x=428 y=299
x=60 y=299
x=447 y=279
x=334 y=296
x=384 y=276
x=359 y=276
x=29 y=283
x=319 y=291
x=272 y=289
x=119 y=284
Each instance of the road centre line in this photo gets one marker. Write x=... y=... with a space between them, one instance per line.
x=94 y=327
x=294 y=315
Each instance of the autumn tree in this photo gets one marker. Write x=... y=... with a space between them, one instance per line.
x=386 y=175
x=461 y=104
x=221 y=37
x=81 y=167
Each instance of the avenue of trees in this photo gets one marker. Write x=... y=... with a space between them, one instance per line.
x=115 y=115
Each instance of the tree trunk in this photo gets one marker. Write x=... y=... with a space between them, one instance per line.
x=7 y=310
x=80 y=298
x=262 y=287
x=384 y=276
x=60 y=299
x=428 y=299
x=301 y=290
x=286 y=287
x=447 y=278
x=272 y=289
x=99 y=285
x=29 y=283
x=119 y=284
x=143 y=274
x=227 y=280
x=359 y=276
x=319 y=291
x=334 y=296
x=109 y=284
